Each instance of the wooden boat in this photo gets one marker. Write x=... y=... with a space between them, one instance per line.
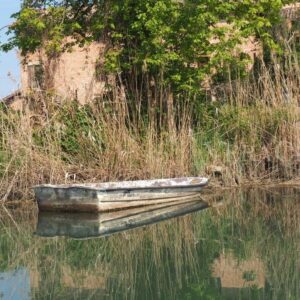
x=90 y=225
x=116 y=195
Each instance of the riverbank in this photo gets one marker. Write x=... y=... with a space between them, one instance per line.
x=249 y=135
x=240 y=146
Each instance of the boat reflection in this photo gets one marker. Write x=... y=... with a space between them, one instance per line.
x=87 y=225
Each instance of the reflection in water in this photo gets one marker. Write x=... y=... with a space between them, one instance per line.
x=236 y=275
x=82 y=280
x=86 y=225
x=246 y=249
x=15 y=284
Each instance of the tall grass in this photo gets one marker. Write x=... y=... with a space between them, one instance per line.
x=252 y=130
x=251 y=133
x=97 y=142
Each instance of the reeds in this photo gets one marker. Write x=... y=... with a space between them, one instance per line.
x=97 y=142
x=252 y=130
x=251 y=133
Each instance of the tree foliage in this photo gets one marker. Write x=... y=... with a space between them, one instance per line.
x=178 y=41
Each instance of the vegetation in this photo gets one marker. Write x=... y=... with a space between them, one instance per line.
x=253 y=136
x=171 y=44
x=157 y=118
x=185 y=100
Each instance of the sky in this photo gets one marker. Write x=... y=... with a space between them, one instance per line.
x=9 y=64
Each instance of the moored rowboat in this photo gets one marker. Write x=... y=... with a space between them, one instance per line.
x=116 y=195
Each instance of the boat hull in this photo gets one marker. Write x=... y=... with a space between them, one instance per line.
x=91 y=198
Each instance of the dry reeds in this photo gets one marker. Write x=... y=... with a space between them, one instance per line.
x=97 y=142
x=250 y=133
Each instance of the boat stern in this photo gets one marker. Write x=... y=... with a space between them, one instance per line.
x=76 y=199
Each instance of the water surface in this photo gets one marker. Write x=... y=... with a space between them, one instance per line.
x=246 y=247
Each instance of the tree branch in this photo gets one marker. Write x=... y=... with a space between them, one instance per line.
x=4 y=27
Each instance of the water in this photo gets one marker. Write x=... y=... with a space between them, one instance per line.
x=245 y=247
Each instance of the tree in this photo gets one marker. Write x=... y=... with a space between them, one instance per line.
x=174 y=42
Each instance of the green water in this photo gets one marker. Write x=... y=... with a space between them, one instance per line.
x=246 y=247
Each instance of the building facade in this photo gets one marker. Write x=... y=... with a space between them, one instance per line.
x=73 y=75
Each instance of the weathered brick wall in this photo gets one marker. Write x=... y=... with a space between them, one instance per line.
x=72 y=75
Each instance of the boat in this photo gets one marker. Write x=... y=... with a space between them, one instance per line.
x=110 y=196
x=91 y=225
